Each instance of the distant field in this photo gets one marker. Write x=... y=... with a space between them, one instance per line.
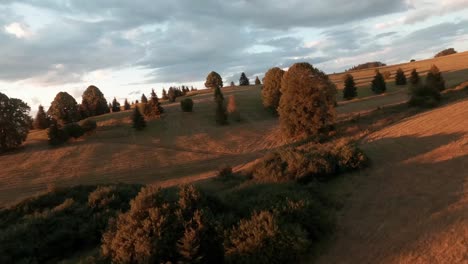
x=179 y=147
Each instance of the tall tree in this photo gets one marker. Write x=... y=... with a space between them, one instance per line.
x=64 y=109
x=221 y=114
x=243 y=80
x=93 y=103
x=14 y=122
x=378 y=85
x=232 y=110
x=41 y=121
x=126 y=105
x=153 y=108
x=233 y=84
x=414 y=77
x=349 y=90
x=144 y=100
x=172 y=94
x=307 y=104
x=115 y=105
x=213 y=80
x=164 y=94
x=271 y=92
x=434 y=78
x=400 y=78
x=138 y=120
x=257 y=81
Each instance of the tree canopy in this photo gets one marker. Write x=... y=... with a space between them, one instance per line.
x=213 y=80
x=14 y=122
x=94 y=103
x=64 y=109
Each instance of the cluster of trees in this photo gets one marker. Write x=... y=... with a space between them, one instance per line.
x=175 y=92
x=426 y=94
x=367 y=65
x=445 y=52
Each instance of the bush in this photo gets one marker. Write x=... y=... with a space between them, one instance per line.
x=400 y=78
x=88 y=125
x=186 y=105
x=271 y=92
x=74 y=130
x=445 y=52
x=225 y=173
x=349 y=90
x=138 y=120
x=378 y=85
x=232 y=109
x=305 y=164
x=56 y=135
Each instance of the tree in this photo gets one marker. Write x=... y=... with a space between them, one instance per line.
x=42 y=121
x=186 y=105
x=213 y=80
x=221 y=115
x=153 y=108
x=445 y=52
x=427 y=95
x=414 y=78
x=271 y=91
x=349 y=90
x=232 y=109
x=307 y=104
x=243 y=80
x=400 y=78
x=434 y=78
x=64 y=109
x=115 y=105
x=164 y=94
x=94 y=103
x=126 y=105
x=144 y=100
x=233 y=84
x=172 y=95
x=56 y=136
x=14 y=122
x=378 y=83
x=138 y=120
x=257 y=81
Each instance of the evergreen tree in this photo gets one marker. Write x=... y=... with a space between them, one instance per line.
x=172 y=94
x=94 y=103
x=271 y=92
x=126 y=105
x=307 y=104
x=434 y=79
x=257 y=81
x=233 y=84
x=414 y=78
x=164 y=94
x=243 y=80
x=218 y=95
x=153 y=108
x=400 y=78
x=56 y=135
x=221 y=115
x=64 y=109
x=144 y=100
x=349 y=91
x=378 y=83
x=115 y=106
x=138 y=120
x=213 y=80
x=42 y=120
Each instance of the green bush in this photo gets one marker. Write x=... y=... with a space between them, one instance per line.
x=304 y=164
x=74 y=130
x=186 y=105
x=56 y=135
x=58 y=224
x=88 y=125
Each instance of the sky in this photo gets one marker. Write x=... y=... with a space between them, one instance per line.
x=126 y=48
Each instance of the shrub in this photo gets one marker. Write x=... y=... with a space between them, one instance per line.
x=378 y=83
x=225 y=173
x=158 y=229
x=271 y=92
x=186 y=105
x=221 y=114
x=434 y=79
x=74 y=130
x=88 y=125
x=400 y=78
x=56 y=135
x=138 y=120
x=349 y=90
x=307 y=104
x=428 y=94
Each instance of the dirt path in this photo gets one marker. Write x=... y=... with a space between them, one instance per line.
x=411 y=206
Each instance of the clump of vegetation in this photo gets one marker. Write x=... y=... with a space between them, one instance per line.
x=186 y=105
x=225 y=173
x=153 y=108
x=232 y=110
x=378 y=85
x=434 y=79
x=243 y=80
x=428 y=94
x=93 y=103
x=56 y=136
x=14 y=122
x=144 y=100
x=88 y=125
x=349 y=90
x=56 y=225
x=73 y=130
x=115 y=106
x=213 y=80
x=271 y=92
x=304 y=164
x=42 y=121
x=307 y=104
x=64 y=109
x=367 y=65
x=445 y=52
x=126 y=105
x=400 y=77
x=138 y=120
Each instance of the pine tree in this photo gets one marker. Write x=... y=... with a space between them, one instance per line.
x=138 y=120
x=414 y=78
x=153 y=108
x=42 y=120
x=221 y=115
x=164 y=94
x=172 y=94
x=126 y=105
x=233 y=84
x=218 y=95
x=349 y=91
x=400 y=78
x=434 y=79
x=144 y=100
x=243 y=80
x=115 y=106
x=378 y=83
x=257 y=81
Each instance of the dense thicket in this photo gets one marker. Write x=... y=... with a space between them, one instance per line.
x=271 y=92
x=349 y=90
x=307 y=104
x=64 y=109
x=14 y=122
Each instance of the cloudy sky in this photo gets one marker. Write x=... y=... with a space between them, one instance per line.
x=128 y=47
